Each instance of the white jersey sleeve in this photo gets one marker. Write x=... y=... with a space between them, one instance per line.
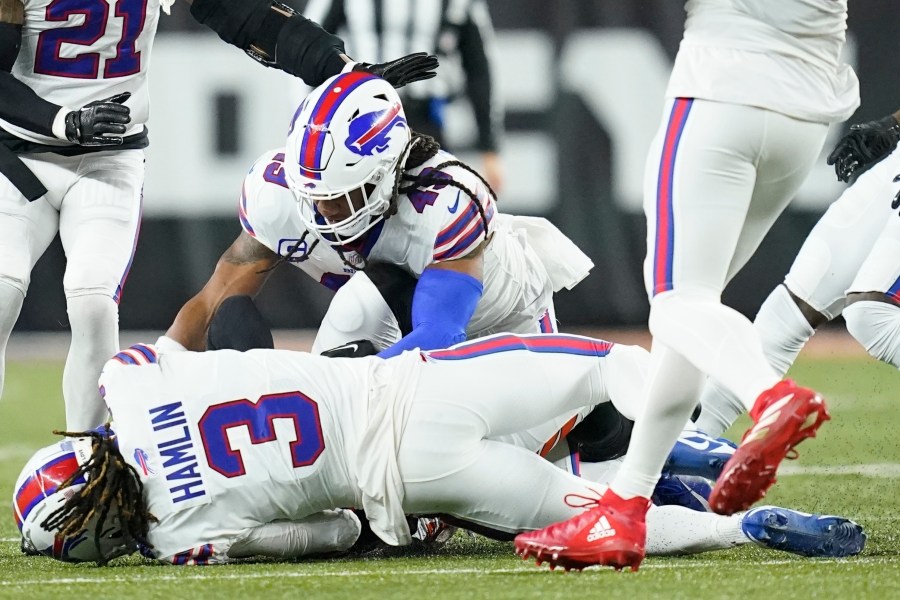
x=73 y=53
x=437 y=222
x=328 y=531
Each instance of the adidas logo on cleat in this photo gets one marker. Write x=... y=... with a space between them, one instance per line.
x=601 y=529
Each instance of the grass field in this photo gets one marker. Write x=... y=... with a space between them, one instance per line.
x=852 y=469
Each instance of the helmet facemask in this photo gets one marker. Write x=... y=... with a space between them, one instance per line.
x=366 y=206
x=40 y=492
x=346 y=142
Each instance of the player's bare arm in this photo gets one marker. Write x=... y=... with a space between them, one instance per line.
x=241 y=271
x=471 y=264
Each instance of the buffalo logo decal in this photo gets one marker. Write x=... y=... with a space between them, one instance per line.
x=143 y=460
x=370 y=132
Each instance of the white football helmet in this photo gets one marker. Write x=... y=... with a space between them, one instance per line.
x=349 y=134
x=37 y=494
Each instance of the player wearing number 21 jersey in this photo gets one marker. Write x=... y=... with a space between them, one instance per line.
x=73 y=109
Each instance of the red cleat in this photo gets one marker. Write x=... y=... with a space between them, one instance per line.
x=784 y=416
x=613 y=534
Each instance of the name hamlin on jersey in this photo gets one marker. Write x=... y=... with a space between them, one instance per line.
x=180 y=466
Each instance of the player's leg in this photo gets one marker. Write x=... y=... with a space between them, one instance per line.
x=784 y=414
x=698 y=188
x=375 y=305
x=873 y=310
x=724 y=195
x=510 y=489
x=814 y=289
x=99 y=225
x=26 y=230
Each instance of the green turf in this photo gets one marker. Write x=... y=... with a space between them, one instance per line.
x=864 y=400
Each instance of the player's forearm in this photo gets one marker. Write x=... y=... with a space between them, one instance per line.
x=443 y=304
x=192 y=323
x=19 y=104
x=275 y=35
x=328 y=531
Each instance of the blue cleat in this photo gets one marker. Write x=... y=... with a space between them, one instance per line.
x=802 y=533
x=695 y=453
x=686 y=491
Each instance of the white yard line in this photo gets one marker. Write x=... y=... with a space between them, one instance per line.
x=206 y=573
x=889 y=470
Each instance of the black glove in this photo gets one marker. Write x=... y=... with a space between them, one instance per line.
x=354 y=349
x=863 y=146
x=407 y=69
x=99 y=123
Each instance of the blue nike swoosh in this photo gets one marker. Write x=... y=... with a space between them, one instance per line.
x=453 y=208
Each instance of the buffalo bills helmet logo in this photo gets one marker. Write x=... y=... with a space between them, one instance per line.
x=143 y=460
x=369 y=133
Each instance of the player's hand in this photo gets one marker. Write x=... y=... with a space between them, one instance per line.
x=863 y=146
x=404 y=70
x=353 y=349
x=99 y=123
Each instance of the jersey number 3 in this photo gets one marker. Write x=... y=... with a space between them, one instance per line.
x=86 y=65
x=259 y=418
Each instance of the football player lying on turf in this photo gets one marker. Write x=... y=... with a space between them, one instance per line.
x=218 y=455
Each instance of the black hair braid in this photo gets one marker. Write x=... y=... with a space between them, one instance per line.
x=110 y=480
x=420 y=148
x=294 y=250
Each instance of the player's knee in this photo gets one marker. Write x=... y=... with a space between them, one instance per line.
x=88 y=311
x=876 y=326
x=357 y=311
x=674 y=306
x=91 y=279
x=15 y=276
x=238 y=325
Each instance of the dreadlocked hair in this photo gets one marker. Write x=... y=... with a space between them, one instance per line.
x=421 y=148
x=293 y=250
x=110 y=480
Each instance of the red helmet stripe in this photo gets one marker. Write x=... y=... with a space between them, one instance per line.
x=314 y=130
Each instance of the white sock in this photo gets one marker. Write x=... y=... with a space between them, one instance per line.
x=876 y=325
x=94 y=320
x=10 y=306
x=783 y=331
x=680 y=530
x=672 y=387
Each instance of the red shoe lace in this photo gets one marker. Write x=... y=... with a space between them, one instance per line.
x=582 y=501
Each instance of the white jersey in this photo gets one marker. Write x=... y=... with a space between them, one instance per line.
x=72 y=55
x=525 y=261
x=222 y=449
x=782 y=55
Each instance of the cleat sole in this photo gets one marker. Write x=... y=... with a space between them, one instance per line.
x=751 y=470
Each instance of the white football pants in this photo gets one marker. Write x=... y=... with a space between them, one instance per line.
x=94 y=203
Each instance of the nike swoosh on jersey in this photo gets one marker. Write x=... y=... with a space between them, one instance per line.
x=452 y=209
